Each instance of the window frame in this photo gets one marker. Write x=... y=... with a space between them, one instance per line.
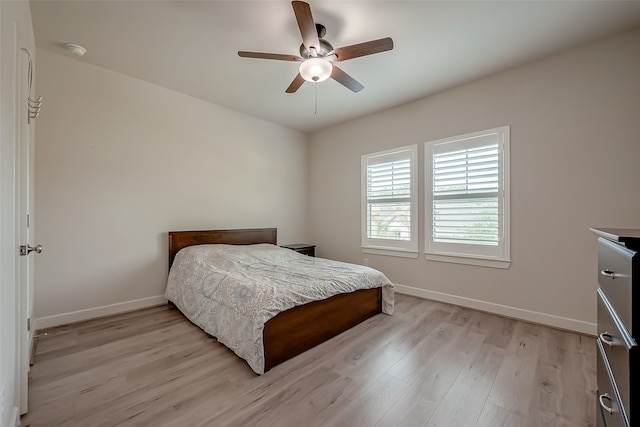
x=498 y=256
x=391 y=247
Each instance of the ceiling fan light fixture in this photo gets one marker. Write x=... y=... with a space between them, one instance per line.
x=317 y=55
x=316 y=70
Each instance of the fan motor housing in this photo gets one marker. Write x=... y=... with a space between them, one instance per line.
x=325 y=48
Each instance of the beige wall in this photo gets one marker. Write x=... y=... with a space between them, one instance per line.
x=119 y=162
x=575 y=148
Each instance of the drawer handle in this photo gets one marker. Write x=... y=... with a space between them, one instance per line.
x=606 y=338
x=604 y=406
x=608 y=273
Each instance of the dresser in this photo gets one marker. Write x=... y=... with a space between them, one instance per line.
x=618 y=355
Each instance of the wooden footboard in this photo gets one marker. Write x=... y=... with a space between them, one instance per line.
x=297 y=330
x=300 y=328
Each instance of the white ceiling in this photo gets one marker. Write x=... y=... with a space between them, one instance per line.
x=191 y=46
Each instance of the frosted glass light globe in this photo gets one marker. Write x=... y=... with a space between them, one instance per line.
x=315 y=69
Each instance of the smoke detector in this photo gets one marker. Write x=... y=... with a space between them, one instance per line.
x=76 y=49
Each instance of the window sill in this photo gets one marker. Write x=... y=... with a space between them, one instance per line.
x=481 y=262
x=402 y=253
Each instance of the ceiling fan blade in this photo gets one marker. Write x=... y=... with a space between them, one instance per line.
x=306 y=24
x=261 y=55
x=295 y=84
x=345 y=79
x=363 y=49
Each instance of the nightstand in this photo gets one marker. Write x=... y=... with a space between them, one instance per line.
x=302 y=248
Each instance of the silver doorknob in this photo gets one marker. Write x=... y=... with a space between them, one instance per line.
x=27 y=249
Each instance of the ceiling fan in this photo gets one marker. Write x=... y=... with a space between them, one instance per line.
x=317 y=56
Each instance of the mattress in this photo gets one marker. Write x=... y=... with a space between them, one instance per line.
x=231 y=291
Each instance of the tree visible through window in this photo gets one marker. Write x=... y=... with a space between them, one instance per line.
x=388 y=200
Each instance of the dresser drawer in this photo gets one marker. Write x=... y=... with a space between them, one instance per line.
x=615 y=264
x=608 y=409
x=619 y=348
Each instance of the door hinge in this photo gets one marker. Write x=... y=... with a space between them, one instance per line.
x=28 y=220
x=28 y=324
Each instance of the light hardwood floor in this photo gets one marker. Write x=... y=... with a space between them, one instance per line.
x=430 y=364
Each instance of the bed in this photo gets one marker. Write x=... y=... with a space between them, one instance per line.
x=284 y=334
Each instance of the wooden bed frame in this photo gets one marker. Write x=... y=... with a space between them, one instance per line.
x=300 y=328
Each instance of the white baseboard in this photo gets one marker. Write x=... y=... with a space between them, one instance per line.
x=503 y=310
x=92 y=313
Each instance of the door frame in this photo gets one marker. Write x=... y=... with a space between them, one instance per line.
x=24 y=154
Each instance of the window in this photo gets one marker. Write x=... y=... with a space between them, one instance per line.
x=389 y=202
x=467 y=199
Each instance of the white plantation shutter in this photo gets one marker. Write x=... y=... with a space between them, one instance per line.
x=389 y=199
x=467 y=209
x=465 y=196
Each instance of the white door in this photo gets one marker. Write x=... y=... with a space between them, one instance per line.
x=24 y=191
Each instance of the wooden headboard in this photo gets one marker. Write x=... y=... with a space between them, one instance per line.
x=182 y=239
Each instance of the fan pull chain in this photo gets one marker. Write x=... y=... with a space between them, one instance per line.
x=316 y=98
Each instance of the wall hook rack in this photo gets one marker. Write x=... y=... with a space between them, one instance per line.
x=33 y=104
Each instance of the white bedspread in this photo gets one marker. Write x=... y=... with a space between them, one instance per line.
x=232 y=291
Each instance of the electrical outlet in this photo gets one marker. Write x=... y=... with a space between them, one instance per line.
x=366 y=262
